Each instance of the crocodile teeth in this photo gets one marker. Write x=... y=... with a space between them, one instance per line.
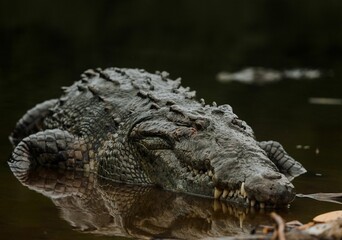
x=253 y=203
x=225 y=193
x=217 y=193
x=230 y=194
x=210 y=173
x=242 y=190
x=262 y=205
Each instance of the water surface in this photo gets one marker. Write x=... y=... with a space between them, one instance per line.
x=45 y=45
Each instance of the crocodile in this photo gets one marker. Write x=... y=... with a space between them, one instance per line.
x=141 y=128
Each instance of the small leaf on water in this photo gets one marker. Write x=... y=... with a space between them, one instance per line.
x=329 y=216
x=325 y=197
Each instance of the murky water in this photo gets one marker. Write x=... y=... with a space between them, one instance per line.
x=47 y=45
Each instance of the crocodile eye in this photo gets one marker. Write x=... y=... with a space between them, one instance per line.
x=201 y=124
x=156 y=143
x=238 y=122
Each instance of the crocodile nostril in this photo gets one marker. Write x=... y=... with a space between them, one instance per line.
x=271 y=175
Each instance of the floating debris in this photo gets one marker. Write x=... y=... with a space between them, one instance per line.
x=323 y=197
x=305 y=147
x=329 y=216
x=260 y=75
x=324 y=226
x=302 y=74
x=251 y=76
x=325 y=101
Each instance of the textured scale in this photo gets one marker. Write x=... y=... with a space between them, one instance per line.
x=282 y=160
x=135 y=127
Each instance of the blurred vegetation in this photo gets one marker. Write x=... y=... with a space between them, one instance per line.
x=205 y=36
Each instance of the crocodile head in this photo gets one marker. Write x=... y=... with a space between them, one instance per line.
x=208 y=151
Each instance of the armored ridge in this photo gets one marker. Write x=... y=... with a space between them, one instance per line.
x=135 y=127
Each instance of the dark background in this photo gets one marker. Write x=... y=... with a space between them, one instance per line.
x=47 y=44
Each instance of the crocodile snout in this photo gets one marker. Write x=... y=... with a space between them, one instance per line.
x=270 y=189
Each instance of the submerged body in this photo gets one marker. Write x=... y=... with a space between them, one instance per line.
x=135 y=127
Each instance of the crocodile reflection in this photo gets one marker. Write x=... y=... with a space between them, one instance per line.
x=92 y=204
